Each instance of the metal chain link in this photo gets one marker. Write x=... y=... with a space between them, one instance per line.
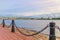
x=31 y=34
x=57 y=27
x=8 y=26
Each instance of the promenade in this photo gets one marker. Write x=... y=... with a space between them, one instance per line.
x=12 y=32
x=6 y=34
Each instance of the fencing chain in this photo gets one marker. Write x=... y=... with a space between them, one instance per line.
x=8 y=26
x=31 y=34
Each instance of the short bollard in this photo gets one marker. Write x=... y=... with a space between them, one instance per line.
x=52 y=31
x=13 y=29
x=3 y=22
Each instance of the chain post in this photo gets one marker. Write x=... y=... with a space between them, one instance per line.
x=13 y=29
x=3 y=22
x=52 y=31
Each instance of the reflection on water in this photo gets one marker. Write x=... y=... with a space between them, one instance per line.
x=34 y=24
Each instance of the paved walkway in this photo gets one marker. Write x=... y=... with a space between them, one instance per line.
x=6 y=34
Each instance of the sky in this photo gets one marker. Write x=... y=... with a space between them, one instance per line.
x=28 y=7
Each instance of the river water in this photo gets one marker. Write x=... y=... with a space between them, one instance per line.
x=35 y=25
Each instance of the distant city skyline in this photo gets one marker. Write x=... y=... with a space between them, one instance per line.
x=28 y=7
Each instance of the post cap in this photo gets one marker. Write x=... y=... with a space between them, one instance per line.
x=52 y=24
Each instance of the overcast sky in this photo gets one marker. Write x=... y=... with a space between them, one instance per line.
x=29 y=7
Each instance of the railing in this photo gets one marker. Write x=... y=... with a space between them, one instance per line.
x=51 y=25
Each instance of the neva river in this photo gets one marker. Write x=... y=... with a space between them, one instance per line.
x=35 y=25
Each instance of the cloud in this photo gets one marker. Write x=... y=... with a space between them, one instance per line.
x=29 y=7
x=32 y=13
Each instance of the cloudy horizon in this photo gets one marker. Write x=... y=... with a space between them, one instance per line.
x=29 y=7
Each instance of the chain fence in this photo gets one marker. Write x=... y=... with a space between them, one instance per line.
x=28 y=33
